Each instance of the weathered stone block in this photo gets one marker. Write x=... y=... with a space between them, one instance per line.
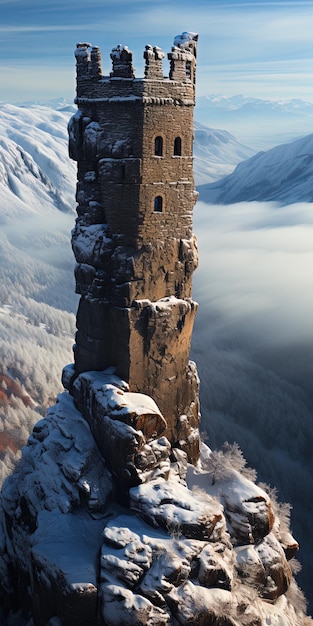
x=196 y=515
x=125 y=426
x=93 y=319
x=91 y=245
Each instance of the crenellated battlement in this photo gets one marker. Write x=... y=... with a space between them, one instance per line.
x=91 y=83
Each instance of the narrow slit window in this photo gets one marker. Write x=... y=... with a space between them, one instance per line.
x=158 y=146
x=177 y=146
x=158 y=204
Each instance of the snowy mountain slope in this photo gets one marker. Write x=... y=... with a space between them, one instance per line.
x=37 y=320
x=258 y=123
x=36 y=175
x=37 y=302
x=283 y=174
x=216 y=152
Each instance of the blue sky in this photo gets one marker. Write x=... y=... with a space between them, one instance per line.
x=259 y=48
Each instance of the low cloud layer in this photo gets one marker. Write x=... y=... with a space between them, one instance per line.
x=253 y=344
x=256 y=269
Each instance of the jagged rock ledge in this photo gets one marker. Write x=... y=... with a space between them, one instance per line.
x=104 y=523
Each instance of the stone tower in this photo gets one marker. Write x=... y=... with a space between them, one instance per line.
x=132 y=139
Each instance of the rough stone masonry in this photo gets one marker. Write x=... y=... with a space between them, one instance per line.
x=133 y=242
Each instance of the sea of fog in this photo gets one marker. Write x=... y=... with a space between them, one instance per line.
x=253 y=344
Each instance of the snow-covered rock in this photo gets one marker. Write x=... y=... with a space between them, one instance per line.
x=72 y=552
x=169 y=505
x=249 y=513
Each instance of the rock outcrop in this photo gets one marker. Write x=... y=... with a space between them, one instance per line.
x=105 y=523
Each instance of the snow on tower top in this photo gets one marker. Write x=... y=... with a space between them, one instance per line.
x=91 y=81
x=183 y=40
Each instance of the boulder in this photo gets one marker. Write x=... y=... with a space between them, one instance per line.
x=193 y=605
x=247 y=507
x=171 y=505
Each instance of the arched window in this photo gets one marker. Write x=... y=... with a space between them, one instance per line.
x=158 y=204
x=188 y=70
x=158 y=146
x=177 y=146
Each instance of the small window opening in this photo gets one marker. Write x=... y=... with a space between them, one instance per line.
x=158 y=146
x=177 y=146
x=188 y=70
x=158 y=204
x=123 y=171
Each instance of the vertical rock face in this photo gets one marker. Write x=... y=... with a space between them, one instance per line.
x=133 y=241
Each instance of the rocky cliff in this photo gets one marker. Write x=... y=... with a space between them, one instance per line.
x=105 y=523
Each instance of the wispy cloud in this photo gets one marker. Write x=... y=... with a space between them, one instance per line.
x=237 y=39
x=43 y=28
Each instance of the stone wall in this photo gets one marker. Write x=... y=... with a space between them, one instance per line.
x=133 y=242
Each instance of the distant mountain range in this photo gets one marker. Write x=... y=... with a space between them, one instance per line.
x=283 y=174
x=261 y=124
